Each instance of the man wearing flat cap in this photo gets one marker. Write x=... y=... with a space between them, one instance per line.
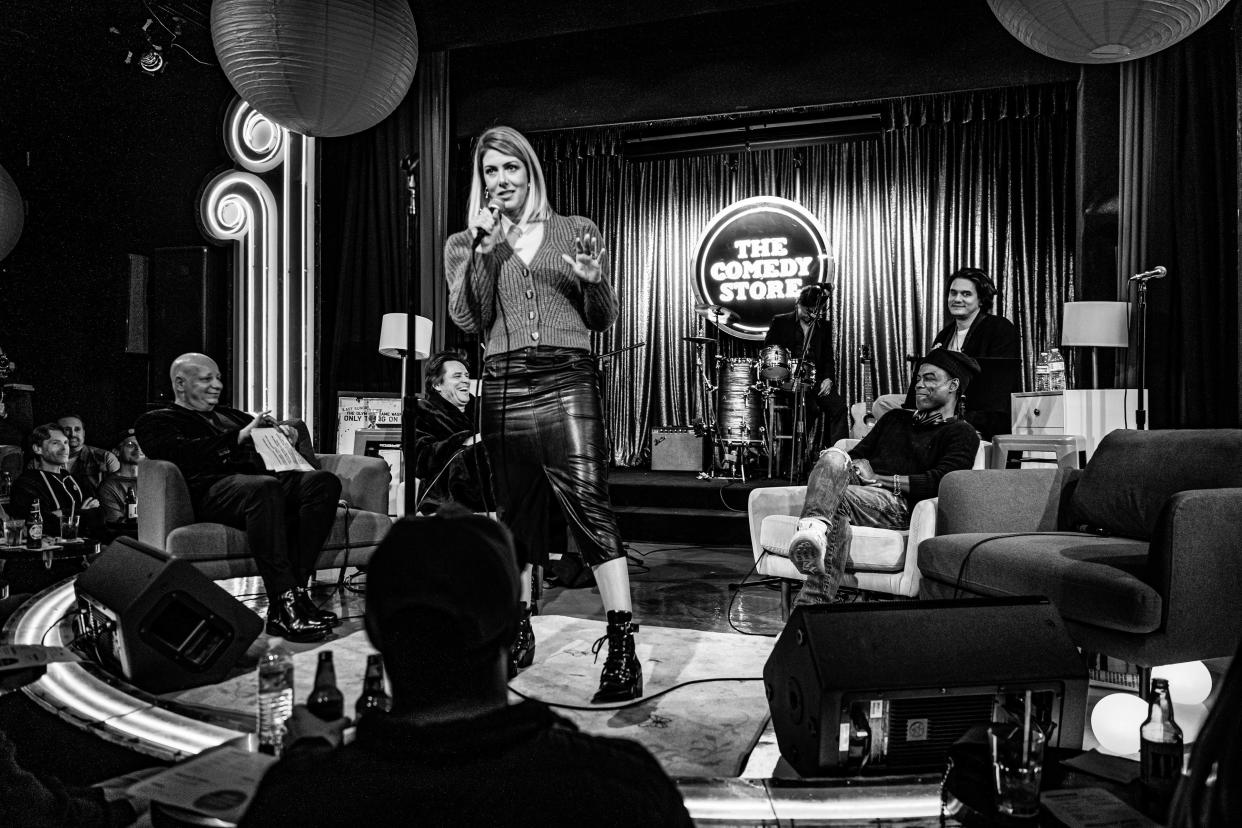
x=900 y=462
x=442 y=608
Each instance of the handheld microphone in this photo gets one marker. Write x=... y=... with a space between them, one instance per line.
x=1157 y=272
x=493 y=207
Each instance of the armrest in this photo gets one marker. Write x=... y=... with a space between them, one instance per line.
x=1004 y=500
x=922 y=527
x=1193 y=561
x=364 y=480
x=771 y=500
x=163 y=501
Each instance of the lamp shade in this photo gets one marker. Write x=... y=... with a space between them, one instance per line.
x=394 y=336
x=314 y=67
x=1102 y=324
x=12 y=213
x=1102 y=31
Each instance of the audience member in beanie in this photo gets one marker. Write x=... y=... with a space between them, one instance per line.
x=899 y=463
x=117 y=486
x=442 y=605
x=992 y=340
x=86 y=462
x=448 y=456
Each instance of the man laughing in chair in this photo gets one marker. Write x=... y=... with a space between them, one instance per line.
x=900 y=462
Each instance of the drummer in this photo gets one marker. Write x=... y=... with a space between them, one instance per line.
x=806 y=334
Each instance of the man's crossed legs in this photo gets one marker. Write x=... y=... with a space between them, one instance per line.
x=834 y=501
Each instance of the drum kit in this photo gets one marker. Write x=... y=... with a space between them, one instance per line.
x=743 y=404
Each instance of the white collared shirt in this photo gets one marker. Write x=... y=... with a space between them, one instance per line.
x=523 y=238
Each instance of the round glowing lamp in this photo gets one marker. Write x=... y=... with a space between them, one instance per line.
x=1102 y=31
x=317 y=68
x=12 y=213
x=1190 y=682
x=1115 y=722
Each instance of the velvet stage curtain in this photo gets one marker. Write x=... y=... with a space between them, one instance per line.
x=1178 y=207
x=982 y=179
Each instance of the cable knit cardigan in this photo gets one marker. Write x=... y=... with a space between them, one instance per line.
x=516 y=306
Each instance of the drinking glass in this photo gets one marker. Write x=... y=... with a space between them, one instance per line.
x=1018 y=764
x=69 y=527
x=13 y=531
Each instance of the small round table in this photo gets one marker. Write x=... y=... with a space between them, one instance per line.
x=34 y=570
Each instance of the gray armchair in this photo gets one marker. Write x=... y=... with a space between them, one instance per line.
x=166 y=518
x=1140 y=552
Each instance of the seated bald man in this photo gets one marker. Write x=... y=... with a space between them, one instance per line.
x=287 y=516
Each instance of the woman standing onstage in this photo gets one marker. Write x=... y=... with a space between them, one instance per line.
x=534 y=285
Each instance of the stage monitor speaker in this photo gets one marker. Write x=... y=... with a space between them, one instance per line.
x=888 y=687
x=160 y=621
x=676 y=449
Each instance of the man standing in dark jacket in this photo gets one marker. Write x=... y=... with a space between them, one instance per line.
x=287 y=516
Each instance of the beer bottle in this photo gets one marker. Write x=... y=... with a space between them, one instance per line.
x=374 y=697
x=34 y=526
x=131 y=504
x=326 y=700
x=1160 y=750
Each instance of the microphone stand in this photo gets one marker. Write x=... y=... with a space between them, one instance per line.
x=799 y=402
x=1140 y=414
x=603 y=396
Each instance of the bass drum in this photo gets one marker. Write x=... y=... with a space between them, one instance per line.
x=739 y=406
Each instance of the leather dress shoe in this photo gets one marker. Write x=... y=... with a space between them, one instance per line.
x=286 y=619
x=311 y=610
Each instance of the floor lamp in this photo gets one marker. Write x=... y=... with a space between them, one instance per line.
x=394 y=342
x=1095 y=325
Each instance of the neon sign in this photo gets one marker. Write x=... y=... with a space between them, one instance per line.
x=754 y=257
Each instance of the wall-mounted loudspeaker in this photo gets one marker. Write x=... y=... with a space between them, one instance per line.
x=160 y=622
x=888 y=687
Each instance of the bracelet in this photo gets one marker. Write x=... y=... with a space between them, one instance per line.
x=896 y=486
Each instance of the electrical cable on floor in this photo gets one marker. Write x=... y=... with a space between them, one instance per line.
x=732 y=601
x=635 y=702
x=720 y=492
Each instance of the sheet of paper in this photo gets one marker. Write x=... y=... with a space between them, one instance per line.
x=277 y=452
x=218 y=782
x=23 y=656
x=1092 y=808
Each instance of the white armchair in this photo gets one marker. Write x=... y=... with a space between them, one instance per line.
x=883 y=560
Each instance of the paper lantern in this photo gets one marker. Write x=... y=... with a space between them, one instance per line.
x=1102 y=31
x=12 y=213
x=1190 y=682
x=314 y=67
x=1115 y=721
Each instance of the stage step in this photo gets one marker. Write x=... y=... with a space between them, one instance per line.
x=703 y=527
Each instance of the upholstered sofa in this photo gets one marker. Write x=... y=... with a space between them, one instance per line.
x=166 y=518
x=1140 y=552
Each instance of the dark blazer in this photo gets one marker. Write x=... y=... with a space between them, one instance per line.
x=203 y=454
x=452 y=476
x=785 y=330
x=993 y=341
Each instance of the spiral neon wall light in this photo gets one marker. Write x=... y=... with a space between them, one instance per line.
x=267 y=209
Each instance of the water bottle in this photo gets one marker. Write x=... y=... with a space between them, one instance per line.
x=1056 y=370
x=1042 y=368
x=275 y=695
x=1160 y=750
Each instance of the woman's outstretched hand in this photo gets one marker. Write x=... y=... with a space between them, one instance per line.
x=588 y=259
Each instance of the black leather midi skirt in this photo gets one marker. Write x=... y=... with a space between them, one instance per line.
x=543 y=427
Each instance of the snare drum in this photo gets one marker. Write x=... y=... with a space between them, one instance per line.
x=739 y=406
x=773 y=363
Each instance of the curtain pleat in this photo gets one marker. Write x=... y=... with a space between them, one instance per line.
x=980 y=179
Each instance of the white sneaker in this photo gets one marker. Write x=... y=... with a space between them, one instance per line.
x=808 y=545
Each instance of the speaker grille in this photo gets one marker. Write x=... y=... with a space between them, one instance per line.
x=921 y=730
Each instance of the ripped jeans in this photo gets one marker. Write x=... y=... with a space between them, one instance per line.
x=834 y=494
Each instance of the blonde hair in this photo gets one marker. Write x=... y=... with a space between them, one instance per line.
x=509 y=141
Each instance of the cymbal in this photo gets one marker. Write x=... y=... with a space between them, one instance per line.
x=717 y=313
x=699 y=340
